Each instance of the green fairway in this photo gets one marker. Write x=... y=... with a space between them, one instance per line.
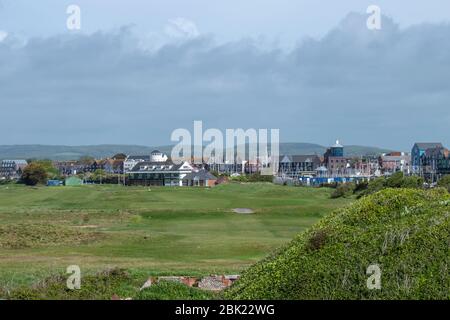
x=151 y=231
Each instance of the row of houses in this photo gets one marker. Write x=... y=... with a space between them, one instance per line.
x=430 y=160
x=332 y=164
x=155 y=169
x=114 y=165
x=12 y=169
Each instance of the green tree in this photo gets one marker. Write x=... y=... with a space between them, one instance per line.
x=34 y=174
x=99 y=175
x=52 y=172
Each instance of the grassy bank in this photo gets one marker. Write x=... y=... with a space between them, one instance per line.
x=402 y=233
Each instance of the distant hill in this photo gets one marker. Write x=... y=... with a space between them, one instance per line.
x=310 y=148
x=103 y=151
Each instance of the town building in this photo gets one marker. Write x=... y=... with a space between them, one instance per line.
x=335 y=161
x=69 y=168
x=418 y=151
x=131 y=161
x=12 y=169
x=159 y=171
x=394 y=162
x=201 y=178
x=298 y=165
x=434 y=163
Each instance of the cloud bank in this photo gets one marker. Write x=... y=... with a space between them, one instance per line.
x=386 y=88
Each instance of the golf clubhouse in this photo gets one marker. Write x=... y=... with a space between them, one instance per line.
x=160 y=171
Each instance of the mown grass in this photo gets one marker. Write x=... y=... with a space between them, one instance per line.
x=148 y=231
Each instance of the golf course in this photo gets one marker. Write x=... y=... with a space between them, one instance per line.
x=149 y=231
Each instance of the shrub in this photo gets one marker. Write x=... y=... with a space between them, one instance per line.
x=168 y=290
x=34 y=174
x=257 y=177
x=343 y=190
x=6 y=181
x=361 y=186
x=317 y=240
x=445 y=182
x=395 y=181
x=103 y=285
x=412 y=182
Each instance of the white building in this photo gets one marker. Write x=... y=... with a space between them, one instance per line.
x=131 y=161
x=158 y=171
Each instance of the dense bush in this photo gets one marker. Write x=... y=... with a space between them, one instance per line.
x=445 y=182
x=52 y=172
x=6 y=181
x=332 y=185
x=406 y=232
x=33 y=174
x=397 y=180
x=168 y=290
x=360 y=189
x=103 y=285
x=343 y=190
x=106 y=285
x=257 y=177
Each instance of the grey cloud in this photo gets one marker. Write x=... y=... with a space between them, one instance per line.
x=386 y=88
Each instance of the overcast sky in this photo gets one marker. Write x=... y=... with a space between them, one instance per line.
x=137 y=70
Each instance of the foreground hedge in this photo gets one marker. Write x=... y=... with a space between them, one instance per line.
x=405 y=232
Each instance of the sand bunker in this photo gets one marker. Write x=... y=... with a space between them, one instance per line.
x=243 y=210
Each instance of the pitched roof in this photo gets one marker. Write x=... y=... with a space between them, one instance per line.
x=428 y=145
x=144 y=157
x=395 y=158
x=200 y=175
x=16 y=161
x=301 y=158
x=156 y=166
x=435 y=152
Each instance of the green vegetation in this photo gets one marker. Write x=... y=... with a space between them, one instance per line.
x=406 y=232
x=103 y=285
x=166 y=290
x=361 y=189
x=344 y=190
x=20 y=236
x=445 y=182
x=106 y=285
x=256 y=177
x=147 y=231
x=33 y=174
